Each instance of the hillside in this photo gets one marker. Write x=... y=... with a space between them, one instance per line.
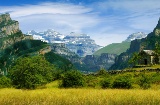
x=118 y=48
x=14 y=44
x=114 y=48
x=148 y=43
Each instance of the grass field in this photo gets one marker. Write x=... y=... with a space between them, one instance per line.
x=55 y=96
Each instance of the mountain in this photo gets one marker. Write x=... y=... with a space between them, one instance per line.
x=118 y=48
x=14 y=44
x=137 y=45
x=93 y=63
x=81 y=44
x=62 y=50
x=138 y=35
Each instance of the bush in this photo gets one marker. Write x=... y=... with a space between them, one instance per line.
x=30 y=72
x=73 y=79
x=145 y=81
x=122 y=81
x=92 y=81
x=106 y=83
x=5 y=82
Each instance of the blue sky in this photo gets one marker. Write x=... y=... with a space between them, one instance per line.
x=106 y=21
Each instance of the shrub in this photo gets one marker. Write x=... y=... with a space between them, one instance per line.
x=30 y=72
x=145 y=81
x=5 y=82
x=106 y=83
x=92 y=81
x=73 y=79
x=122 y=81
x=102 y=72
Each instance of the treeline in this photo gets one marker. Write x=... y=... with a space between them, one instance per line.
x=31 y=72
x=36 y=71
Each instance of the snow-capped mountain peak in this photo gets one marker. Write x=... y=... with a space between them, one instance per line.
x=79 y=43
x=138 y=35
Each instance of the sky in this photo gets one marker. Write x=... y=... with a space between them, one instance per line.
x=105 y=21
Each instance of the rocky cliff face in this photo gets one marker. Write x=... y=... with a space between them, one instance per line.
x=7 y=25
x=137 y=45
x=94 y=63
x=61 y=49
x=9 y=31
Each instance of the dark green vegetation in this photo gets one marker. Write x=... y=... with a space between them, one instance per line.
x=30 y=72
x=24 y=62
x=114 y=48
x=72 y=78
x=5 y=82
x=19 y=49
x=59 y=62
x=102 y=79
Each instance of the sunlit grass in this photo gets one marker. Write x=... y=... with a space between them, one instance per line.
x=56 y=96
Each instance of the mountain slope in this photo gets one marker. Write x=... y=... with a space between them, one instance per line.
x=118 y=48
x=14 y=44
x=114 y=48
x=148 y=43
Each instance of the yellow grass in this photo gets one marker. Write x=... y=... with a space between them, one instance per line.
x=55 y=96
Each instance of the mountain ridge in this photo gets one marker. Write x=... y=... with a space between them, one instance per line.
x=81 y=44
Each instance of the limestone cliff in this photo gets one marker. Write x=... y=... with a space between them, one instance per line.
x=61 y=49
x=95 y=62
x=9 y=31
x=7 y=25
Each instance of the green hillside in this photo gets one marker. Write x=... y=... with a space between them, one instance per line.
x=114 y=48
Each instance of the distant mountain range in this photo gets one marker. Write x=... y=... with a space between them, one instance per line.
x=81 y=44
x=118 y=48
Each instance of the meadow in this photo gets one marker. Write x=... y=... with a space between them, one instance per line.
x=52 y=95
x=79 y=97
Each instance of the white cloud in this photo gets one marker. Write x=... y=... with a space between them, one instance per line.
x=106 y=22
x=50 y=8
x=53 y=15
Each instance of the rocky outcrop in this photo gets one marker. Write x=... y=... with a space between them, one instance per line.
x=5 y=17
x=7 y=25
x=45 y=50
x=9 y=31
x=61 y=49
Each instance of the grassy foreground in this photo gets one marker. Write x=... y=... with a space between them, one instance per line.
x=55 y=96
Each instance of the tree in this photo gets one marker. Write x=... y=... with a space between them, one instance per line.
x=123 y=81
x=5 y=82
x=106 y=83
x=145 y=81
x=30 y=72
x=157 y=53
x=134 y=59
x=73 y=79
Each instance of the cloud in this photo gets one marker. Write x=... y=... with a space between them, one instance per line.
x=106 y=21
x=50 y=8
x=54 y=15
